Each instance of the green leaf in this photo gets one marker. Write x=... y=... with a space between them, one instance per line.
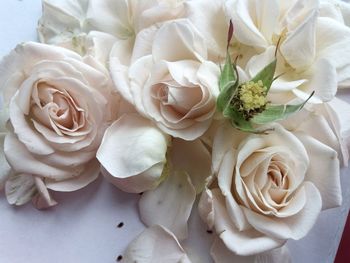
x=277 y=112
x=266 y=75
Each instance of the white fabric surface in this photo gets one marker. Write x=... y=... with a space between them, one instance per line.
x=83 y=227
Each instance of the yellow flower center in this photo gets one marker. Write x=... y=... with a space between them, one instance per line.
x=253 y=95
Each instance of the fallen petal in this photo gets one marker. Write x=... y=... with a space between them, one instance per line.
x=155 y=245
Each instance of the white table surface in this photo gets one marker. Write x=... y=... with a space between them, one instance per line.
x=83 y=227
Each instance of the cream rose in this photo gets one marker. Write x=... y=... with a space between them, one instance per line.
x=175 y=86
x=59 y=106
x=270 y=188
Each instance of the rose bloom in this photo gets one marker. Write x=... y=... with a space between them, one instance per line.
x=76 y=24
x=58 y=104
x=271 y=188
x=175 y=86
x=312 y=47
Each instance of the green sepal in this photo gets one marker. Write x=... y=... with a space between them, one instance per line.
x=228 y=84
x=228 y=74
x=266 y=75
x=237 y=119
x=278 y=112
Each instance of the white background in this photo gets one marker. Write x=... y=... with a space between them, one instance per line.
x=83 y=227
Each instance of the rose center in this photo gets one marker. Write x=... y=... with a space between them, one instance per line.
x=176 y=99
x=56 y=109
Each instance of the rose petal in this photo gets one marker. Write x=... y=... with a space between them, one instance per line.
x=119 y=74
x=206 y=208
x=323 y=82
x=323 y=171
x=317 y=127
x=194 y=158
x=22 y=161
x=139 y=74
x=341 y=124
x=190 y=44
x=121 y=53
x=208 y=75
x=143 y=43
x=20 y=189
x=43 y=199
x=221 y=254
x=332 y=41
x=267 y=13
x=155 y=245
x=170 y=204
x=299 y=48
x=5 y=168
x=57 y=17
x=296 y=226
x=245 y=243
x=225 y=138
x=111 y=17
x=99 y=46
x=258 y=62
x=225 y=183
x=196 y=130
x=88 y=175
x=26 y=135
x=278 y=255
x=139 y=183
x=246 y=31
x=156 y=12
x=131 y=145
x=207 y=16
x=331 y=10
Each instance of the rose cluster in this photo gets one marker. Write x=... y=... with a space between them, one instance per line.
x=183 y=100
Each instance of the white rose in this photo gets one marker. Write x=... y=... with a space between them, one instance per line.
x=312 y=49
x=175 y=87
x=59 y=106
x=88 y=27
x=270 y=188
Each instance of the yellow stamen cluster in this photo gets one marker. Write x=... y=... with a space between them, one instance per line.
x=252 y=95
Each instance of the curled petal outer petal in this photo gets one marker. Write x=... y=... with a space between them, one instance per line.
x=194 y=158
x=61 y=20
x=206 y=208
x=42 y=199
x=190 y=44
x=296 y=226
x=210 y=19
x=244 y=243
x=5 y=169
x=20 y=189
x=221 y=254
x=133 y=149
x=170 y=204
x=156 y=244
x=323 y=171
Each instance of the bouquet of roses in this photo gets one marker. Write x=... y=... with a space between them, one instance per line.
x=229 y=102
